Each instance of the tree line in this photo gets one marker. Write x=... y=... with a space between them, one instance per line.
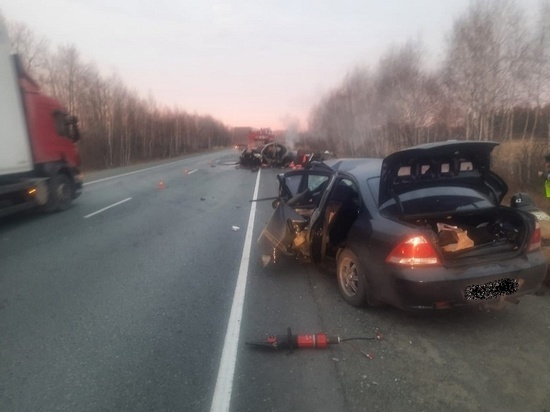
x=118 y=126
x=492 y=84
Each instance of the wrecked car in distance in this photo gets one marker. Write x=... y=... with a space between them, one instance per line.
x=272 y=154
x=275 y=154
x=423 y=228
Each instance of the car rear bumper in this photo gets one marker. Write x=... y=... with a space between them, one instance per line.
x=441 y=288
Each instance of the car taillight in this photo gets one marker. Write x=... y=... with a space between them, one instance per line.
x=414 y=251
x=536 y=239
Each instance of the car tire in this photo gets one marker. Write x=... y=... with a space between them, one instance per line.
x=352 y=281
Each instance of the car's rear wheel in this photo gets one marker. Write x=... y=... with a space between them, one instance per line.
x=351 y=279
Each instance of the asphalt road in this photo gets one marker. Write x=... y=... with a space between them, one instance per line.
x=122 y=304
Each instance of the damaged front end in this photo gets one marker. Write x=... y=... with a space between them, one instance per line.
x=284 y=235
x=288 y=232
x=272 y=154
x=250 y=159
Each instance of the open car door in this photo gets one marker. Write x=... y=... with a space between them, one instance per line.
x=300 y=194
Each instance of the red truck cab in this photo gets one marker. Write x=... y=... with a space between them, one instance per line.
x=52 y=131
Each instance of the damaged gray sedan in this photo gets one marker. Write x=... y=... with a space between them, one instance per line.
x=272 y=154
x=423 y=228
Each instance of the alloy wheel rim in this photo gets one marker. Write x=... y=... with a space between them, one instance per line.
x=348 y=277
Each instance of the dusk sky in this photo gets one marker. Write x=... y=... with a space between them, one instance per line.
x=247 y=63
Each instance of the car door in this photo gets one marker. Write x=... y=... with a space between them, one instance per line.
x=300 y=194
x=332 y=220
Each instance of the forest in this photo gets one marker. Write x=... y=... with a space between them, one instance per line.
x=492 y=83
x=119 y=127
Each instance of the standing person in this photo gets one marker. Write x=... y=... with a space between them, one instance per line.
x=544 y=221
x=546 y=174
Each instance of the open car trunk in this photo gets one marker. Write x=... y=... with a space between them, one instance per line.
x=449 y=190
x=486 y=235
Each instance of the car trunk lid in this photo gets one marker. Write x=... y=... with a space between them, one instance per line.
x=442 y=164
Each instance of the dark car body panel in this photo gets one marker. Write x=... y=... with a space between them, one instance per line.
x=420 y=288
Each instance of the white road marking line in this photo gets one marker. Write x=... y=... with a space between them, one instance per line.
x=108 y=207
x=224 y=384
x=134 y=172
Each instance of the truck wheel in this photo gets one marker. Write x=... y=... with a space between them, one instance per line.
x=60 y=193
x=351 y=279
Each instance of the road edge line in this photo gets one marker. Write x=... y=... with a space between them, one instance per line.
x=221 y=401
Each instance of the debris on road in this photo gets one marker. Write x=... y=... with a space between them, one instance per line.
x=235 y=228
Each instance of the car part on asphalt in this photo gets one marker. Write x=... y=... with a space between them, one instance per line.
x=262 y=199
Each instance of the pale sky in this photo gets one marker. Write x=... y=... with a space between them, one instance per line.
x=246 y=63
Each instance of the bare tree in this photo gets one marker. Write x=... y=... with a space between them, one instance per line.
x=485 y=63
x=118 y=126
x=32 y=50
x=372 y=114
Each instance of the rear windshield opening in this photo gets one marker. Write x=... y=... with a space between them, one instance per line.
x=434 y=170
x=435 y=200
x=430 y=171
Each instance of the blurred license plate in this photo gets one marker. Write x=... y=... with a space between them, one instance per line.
x=491 y=290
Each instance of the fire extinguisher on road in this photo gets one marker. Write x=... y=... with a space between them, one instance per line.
x=314 y=341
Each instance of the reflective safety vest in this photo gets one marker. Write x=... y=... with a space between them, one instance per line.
x=547 y=187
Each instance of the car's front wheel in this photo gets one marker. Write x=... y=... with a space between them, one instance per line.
x=351 y=279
